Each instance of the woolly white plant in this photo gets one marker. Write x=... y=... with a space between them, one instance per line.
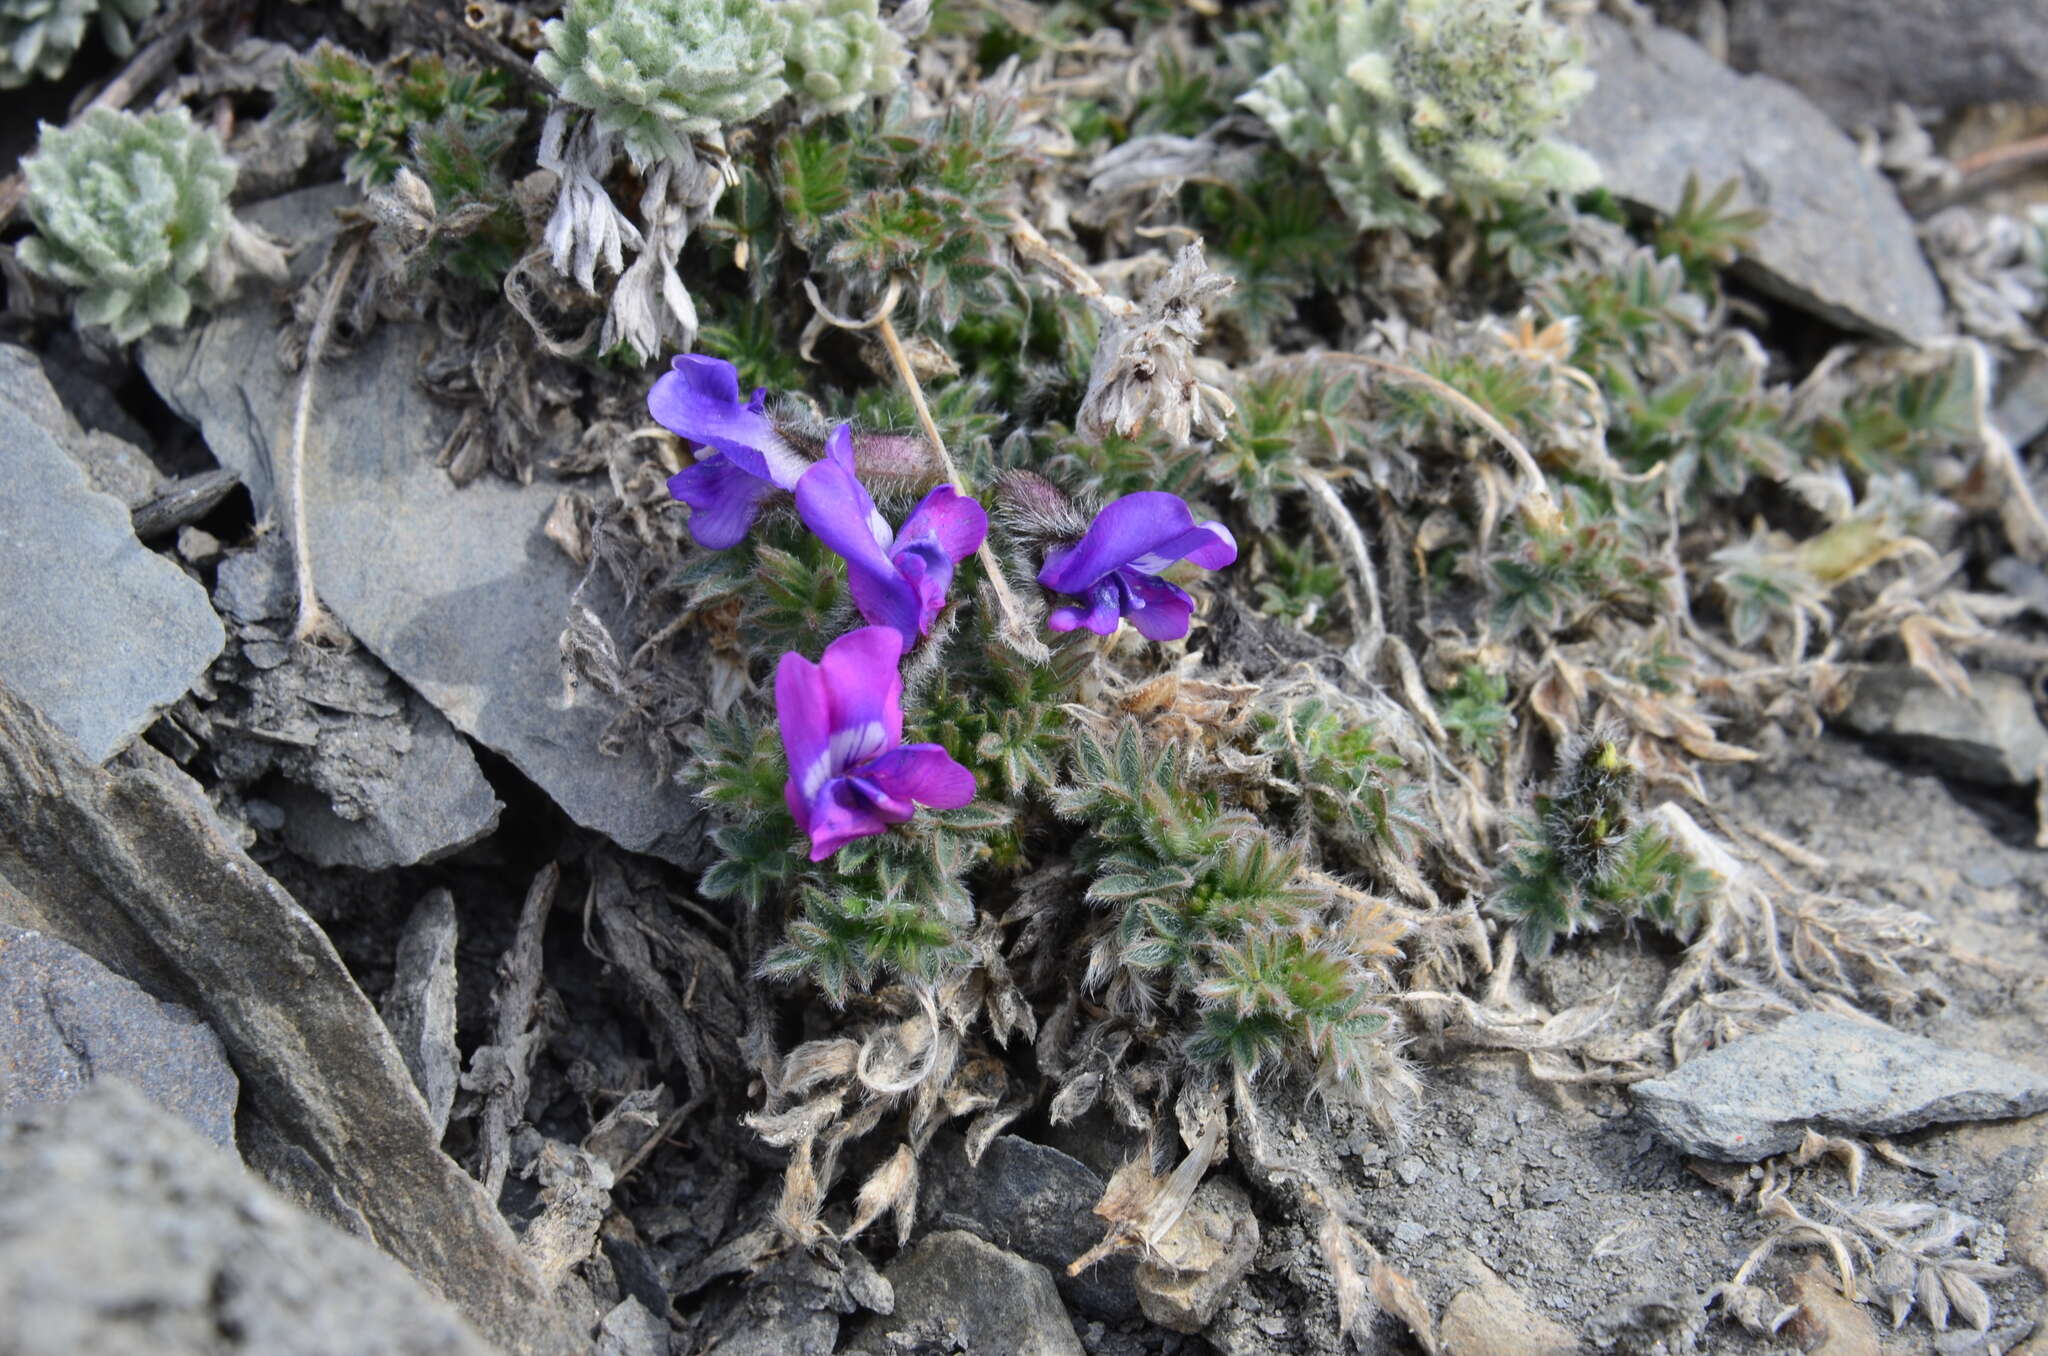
x=1402 y=101
x=656 y=72
x=133 y=213
x=38 y=38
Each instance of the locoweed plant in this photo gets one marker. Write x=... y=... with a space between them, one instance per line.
x=130 y=211
x=38 y=38
x=1403 y=101
x=656 y=72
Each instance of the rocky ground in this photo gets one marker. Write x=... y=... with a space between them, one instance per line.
x=363 y=998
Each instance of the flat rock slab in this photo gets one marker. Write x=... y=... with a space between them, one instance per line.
x=130 y=864
x=1838 y=243
x=457 y=590
x=1038 y=1203
x=1757 y=1096
x=1992 y=735
x=100 y=633
x=67 y=1021
x=955 y=1292
x=1856 y=59
x=121 y=1231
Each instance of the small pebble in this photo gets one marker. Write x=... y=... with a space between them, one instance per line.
x=1409 y=1169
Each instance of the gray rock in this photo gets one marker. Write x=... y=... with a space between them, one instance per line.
x=456 y=589
x=1038 y=1203
x=67 y=1021
x=1857 y=59
x=2021 y=411
x=632 y=1329
x=1205 y=1256
x=953 y=1288
x=100 y=633
x=420 y=1007
x=374 y=777
x=1758 y=1095
x=1838 y=242
x=112 y=465
x=124 y=1233
x=1992 y=736
x=436 y=802
x=131 y=865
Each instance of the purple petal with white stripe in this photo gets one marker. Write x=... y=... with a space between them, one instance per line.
x=1115 y=565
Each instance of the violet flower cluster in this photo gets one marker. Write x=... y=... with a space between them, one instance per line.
x=851 y=775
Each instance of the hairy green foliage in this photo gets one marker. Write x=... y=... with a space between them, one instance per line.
x=1585 y=856
x=657 y=72
x=1340 y=777
x=38 y=38
x=1549 y=577
x=1287 y=421
x=1705 y=234
x=1273 y=994
x=1294 y=583
x=840 y=52
x=1403 y=101
x=1279 y=236
x=845 y=941
x=129 y=210
x=1475 y=711
x=924 y=201
x=1901 y=423
x=376 y=110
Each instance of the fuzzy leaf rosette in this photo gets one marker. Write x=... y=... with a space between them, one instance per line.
x=131 y=211
x=1402 y=101
x=840 y=52
x=38 y=38
x=654 y=72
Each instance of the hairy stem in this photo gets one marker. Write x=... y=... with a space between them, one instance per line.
x=1016 y=628
x=314 y=622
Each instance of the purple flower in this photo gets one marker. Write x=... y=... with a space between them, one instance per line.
x=850 y=773
x=1116 y=565
x=897 y=578
x=700 y=400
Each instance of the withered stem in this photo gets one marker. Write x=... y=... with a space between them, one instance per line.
x=313 y=619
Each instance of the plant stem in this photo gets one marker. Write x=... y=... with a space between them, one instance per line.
x=314 y=621
x=1016 y=630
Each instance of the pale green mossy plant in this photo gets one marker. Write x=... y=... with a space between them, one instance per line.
x=131 y=211
x=840 y=52
x=655 y=72
x=38 y=38
x=1404 y=101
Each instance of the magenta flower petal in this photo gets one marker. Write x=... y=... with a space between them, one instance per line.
x=700 y=400
x=847 y=811
x=897 y=580
x=724 y=500
x=924 y=773
x=850 y=774
x=1116 y=564
x=1151 y=526
x=1101 y=615
x=949 y=520
x=838 y=509
x=803 y=706
x=1158 y=609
